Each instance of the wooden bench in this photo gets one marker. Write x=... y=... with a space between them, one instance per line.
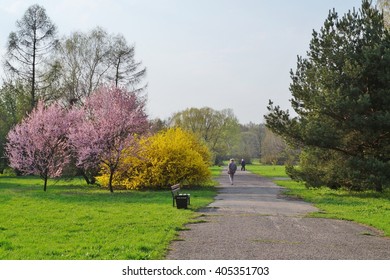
x=175 y=190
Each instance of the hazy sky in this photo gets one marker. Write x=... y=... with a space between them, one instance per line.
x=217 y=53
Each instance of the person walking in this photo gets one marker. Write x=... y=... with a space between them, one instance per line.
x=242 y=165
x=231 y=170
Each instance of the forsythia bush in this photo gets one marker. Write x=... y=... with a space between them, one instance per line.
x=159 y=161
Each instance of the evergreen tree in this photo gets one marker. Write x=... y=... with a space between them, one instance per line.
x=341 y=94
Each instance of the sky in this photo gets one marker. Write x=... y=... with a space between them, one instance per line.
x=222 y=54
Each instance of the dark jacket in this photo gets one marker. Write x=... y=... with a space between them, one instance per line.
x=232 y=168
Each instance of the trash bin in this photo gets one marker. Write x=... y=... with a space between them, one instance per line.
x=182 y=201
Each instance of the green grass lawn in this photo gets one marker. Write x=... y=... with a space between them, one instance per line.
x=270 y=171
x=215 y=171
x=74 y=221
x=369 y=208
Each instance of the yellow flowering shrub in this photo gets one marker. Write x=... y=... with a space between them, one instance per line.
x=164 y=159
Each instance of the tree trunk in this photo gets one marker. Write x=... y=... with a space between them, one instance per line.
x=110 y=181
x=85 y=177
x=33 y=71
x=117 y=72
x=45 y=183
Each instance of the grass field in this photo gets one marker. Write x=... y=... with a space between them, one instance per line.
x=77 y=222
x=270 y=171
x=74 y=221
x=215 y=171
x=369 y=208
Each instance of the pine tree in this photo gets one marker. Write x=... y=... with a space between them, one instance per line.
x=341 y=94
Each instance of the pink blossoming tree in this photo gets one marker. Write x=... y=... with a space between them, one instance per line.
x=38 y=145
x=105 y=126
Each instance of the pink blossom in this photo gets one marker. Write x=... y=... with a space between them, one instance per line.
x=38 y=145
x=105 y=126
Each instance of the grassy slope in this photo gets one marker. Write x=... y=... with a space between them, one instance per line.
x=368 y=208
x=74 y=221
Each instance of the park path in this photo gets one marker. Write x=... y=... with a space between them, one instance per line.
x=252 y=220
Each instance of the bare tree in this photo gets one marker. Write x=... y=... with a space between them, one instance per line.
x=28 y=49
x=89 y=60
x=125 y=71
x=251 y=136
x=83 y=60
x=273 y=148
x=384 y=6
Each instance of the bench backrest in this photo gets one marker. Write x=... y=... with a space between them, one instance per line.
x=175 y=188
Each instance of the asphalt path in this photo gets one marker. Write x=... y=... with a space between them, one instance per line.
x=253 y=220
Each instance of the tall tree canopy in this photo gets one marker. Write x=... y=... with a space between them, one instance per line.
x=341 y=94
x=86 y=61
x=28 y=49
x=124 y=71
x=218 y=129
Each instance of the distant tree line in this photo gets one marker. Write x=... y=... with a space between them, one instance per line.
x=227 y=138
